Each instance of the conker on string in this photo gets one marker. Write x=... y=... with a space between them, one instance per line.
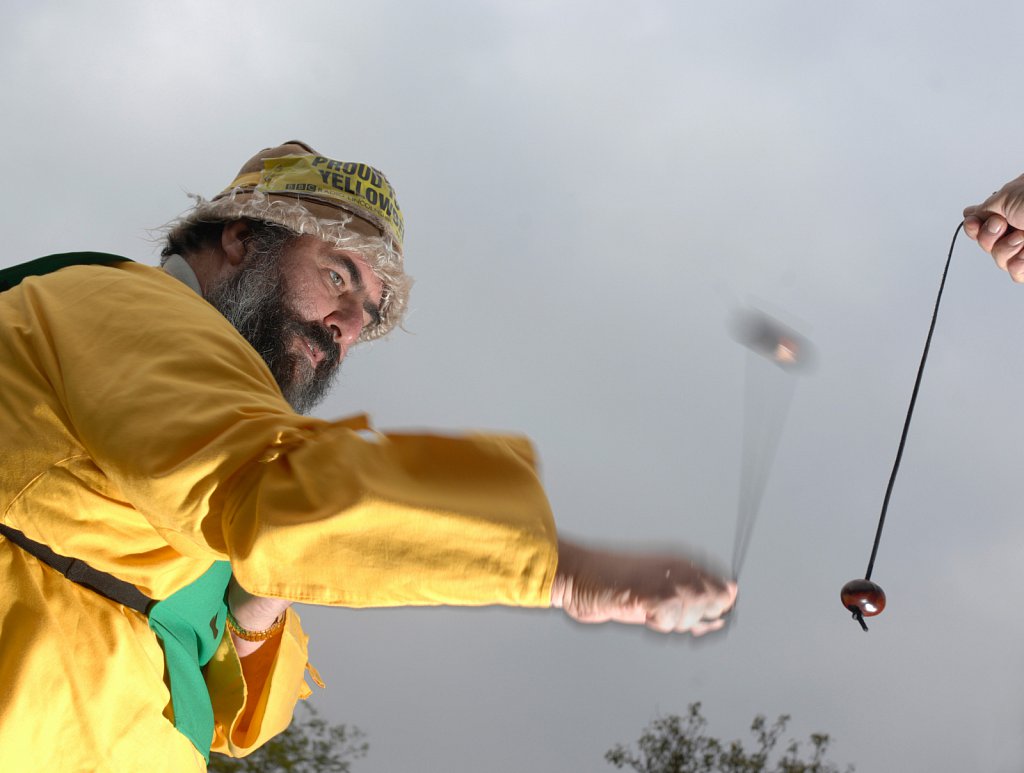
x=772 y=340
x=864 y=597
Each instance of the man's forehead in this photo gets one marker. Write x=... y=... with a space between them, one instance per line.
x=356 y=226
x=334 y=251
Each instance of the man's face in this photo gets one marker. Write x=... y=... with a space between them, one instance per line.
x=301 y=303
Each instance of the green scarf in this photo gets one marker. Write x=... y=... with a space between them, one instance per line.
x=190 y=625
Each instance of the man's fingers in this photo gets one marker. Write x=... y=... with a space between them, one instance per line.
x=995 y=235
x=665 y=592
x=1007 y=247
x=697 y=616
x=1015 y=268
x=719 y=604
x=671 y=615
x=972 y=224
x=733 y=590
x=993 y=227
x=702 y=628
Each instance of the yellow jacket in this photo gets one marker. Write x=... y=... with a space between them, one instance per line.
x=140 y=433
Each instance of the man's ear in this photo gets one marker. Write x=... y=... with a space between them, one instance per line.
x=233 y=239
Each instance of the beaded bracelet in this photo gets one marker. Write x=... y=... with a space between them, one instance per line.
x=247 y=635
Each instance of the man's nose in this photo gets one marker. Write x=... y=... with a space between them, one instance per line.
x=346 y=325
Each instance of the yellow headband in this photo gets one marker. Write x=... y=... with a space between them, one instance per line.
x=356 y=188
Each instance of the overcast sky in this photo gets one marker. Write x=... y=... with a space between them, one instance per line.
x=589 y=194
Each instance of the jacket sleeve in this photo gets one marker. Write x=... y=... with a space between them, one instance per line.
x=254 y=698
x=182 y=414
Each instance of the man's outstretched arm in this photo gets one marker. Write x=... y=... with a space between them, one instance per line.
x=666 y=592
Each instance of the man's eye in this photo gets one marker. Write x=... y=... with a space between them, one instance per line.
x=336 y=279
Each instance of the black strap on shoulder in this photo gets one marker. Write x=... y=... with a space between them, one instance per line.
x=77 y=571
x=80 y=572
x=9 y=277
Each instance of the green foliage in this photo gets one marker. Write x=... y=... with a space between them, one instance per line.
x=309 y=745
x=675 y=744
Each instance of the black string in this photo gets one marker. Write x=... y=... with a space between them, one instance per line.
x=760 y=447
x=910 y=413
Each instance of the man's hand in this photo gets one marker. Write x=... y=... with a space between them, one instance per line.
x=997 y=224
x=254 y=613
x=666 y=592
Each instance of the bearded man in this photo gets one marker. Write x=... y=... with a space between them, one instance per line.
x=160 y=482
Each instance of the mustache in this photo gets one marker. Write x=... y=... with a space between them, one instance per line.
x=322 y=339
